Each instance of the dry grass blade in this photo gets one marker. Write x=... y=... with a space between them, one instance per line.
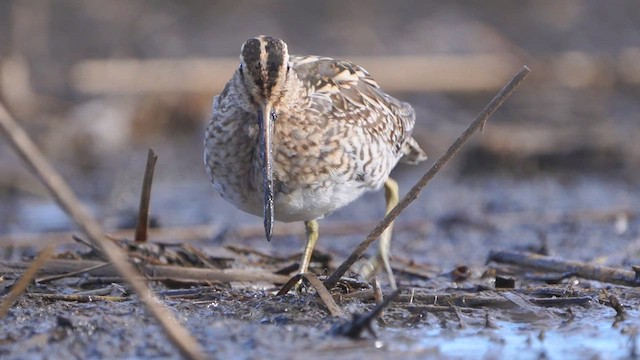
x=19 y=287
x=145 y=197
x=479 y=122
x=67 y=200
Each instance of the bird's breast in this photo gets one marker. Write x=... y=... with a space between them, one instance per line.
x=318 y=166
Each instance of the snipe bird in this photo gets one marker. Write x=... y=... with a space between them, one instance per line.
x=293 y=138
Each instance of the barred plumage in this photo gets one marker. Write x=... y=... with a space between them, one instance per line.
x=311 y=133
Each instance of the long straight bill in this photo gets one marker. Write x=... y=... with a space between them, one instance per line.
x=266 y=133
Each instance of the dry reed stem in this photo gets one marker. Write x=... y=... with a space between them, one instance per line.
x=66 y=199
x=145 y=197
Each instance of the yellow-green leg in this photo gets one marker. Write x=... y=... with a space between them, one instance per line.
x=311 y=227
x=382 y=258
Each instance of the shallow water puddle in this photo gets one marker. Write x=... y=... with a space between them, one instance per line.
x=512 y=340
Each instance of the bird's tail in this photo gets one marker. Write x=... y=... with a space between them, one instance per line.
x=413 y=154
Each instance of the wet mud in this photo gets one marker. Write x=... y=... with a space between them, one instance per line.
x=453 y=303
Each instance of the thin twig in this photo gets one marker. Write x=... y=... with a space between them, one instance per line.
x=325 y=295
x=577 y=268
x=495 y=103
x=19 y=287
x=145 y=197
x=289 y=285
x=66 y=199
x=72 y=273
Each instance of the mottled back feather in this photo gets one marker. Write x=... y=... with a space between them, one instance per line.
x=348 y=92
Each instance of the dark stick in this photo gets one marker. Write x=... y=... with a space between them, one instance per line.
x=360 y=322
x=145 y=197
x=67 y=200
x=479 y=122
x=580 y=269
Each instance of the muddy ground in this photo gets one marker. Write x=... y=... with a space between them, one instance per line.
x=449 y=307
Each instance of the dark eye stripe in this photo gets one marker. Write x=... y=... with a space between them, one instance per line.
x=251 y=51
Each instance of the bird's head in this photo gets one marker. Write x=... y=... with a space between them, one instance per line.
x=264 y=65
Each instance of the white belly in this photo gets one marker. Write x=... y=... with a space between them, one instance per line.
x=314 y=204
x=302 y=204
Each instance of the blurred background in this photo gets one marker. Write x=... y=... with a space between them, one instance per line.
x=97 y=82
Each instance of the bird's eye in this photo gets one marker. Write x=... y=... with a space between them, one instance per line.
x=288 y=68
x=240 y=68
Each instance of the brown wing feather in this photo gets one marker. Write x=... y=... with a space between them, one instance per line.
x=355 y=97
